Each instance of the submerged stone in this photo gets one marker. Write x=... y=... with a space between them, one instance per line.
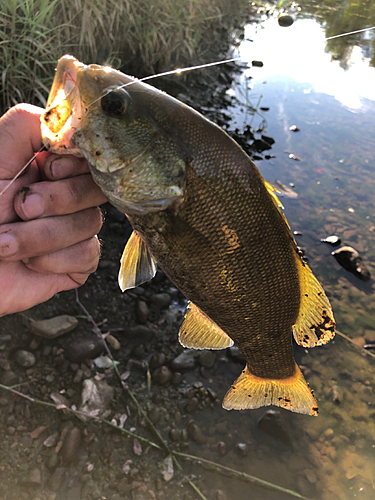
x=350 y=260
x=272 y=423
x=285 y=20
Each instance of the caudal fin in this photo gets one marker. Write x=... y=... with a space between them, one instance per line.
x=292 y=393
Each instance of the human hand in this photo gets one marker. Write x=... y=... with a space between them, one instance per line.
x=47 y=230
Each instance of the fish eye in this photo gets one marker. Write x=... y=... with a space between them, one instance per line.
x=115 y=102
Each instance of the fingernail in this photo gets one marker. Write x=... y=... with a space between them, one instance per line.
x=8 y=245
x=33 y=205
x=60 y=167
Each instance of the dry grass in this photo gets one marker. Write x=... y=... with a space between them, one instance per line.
x=149 y=35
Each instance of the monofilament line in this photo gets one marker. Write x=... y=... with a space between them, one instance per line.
x=350 y=33
x=21 y=171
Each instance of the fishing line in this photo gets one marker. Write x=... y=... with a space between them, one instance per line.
x=350 y=33
x=21 y=171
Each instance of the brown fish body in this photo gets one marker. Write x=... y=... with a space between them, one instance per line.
x=199 y=208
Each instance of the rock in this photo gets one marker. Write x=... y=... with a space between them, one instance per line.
x=25 y=358
x=35 y=476
x=177 y=378
x=96 y=396
x=9 y=378
x=103 y=362
x=311 y=477
x=336 y=395
x=285 y=20
x=332 y=240
x=192 y=405
x=184 y=361
x=207 y=359
x=157 y=360
x=70 y=445
x=350 y=260
x=294 y=128
x=142 y=311
x=195 y=433
x=221 y=447
x=84 y=348
x=5 y=338
x=140 y=333
x=242 y=449
x=220 y=495
x=54 y=327
x=161 y=299
x=257 y=64
x=162 y=375
x=272 y=423
x=236 y=355
x=175 y=435
x=113 y=342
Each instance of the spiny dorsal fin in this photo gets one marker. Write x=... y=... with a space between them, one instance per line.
x=198 y=331
x=315 y=324
x=137 y=263
x=292 y=393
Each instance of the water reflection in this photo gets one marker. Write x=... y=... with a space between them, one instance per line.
x=333 y=456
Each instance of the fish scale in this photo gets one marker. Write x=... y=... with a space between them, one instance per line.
x=199 y=208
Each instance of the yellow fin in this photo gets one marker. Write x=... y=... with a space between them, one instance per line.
x=272 y=190
x=315 y=324
x=198 y=331
x=137 y=263
x=292 y=393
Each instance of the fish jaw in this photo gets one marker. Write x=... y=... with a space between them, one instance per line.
x=93 y=112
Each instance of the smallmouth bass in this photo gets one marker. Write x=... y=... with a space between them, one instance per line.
x=199 y=208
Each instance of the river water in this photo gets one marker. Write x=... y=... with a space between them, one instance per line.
x=332 y=102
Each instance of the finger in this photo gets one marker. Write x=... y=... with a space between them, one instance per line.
x=81 y=259
x=60 y=167
x=19 y=138
x=46 y=199
x=23 y=240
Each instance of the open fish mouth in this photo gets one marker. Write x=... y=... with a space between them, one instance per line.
x=64 y=111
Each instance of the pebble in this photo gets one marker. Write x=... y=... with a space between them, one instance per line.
x=25 y=358
x=350 y=260
x=220 y=495
x=195 y=433
x=142 y=311
x=242 y=449
x=192 y=405
x=9 y=378
x=53 y=327
x=113 y=342
x=285 y=20
x=96 y=395
x=71 y=445
x=84 y=348
x=157 y=360
x=35 y=476
x=272 y=423
x=294 y=128
x=162 y=375
x=177 y=378
x=175 y=435
x=332 y=240
x=336 y=395
x=184 y=361
x=207 y=359
x=221 y=447
x=4 y=338
x=161 y=299
x=311 y=477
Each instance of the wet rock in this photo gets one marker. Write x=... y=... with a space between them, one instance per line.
x=242 y=449
x=57 y=479
x=162 y=375
x=236 y=355
x=221 y=447
x=161 y=299
x=35 y=477
x=195 y=433
x=332 y=240
x=272 y=423
x=285 y=20
x=184 y=361
x=84 y=348
x=310 y=475
x=25 y=358
x=207 y=359
x=350 y=260
x=53 y=327
x=70 y=445
x=257 y=64
x=336 y=395
x=142 y=311
x=140 y=333
x=294 y=128
x=177 y=378
x=96 y=396
x=5 y=338
x=192 y=405
x=175 y=435
x=103 y=362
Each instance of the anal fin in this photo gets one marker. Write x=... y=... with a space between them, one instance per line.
x=198 y=331
x=137 y=263
x=292 y=393
x=315 y=324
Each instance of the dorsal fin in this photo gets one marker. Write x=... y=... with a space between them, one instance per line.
x=315 y=324
x=137 y=263
x=198 y=331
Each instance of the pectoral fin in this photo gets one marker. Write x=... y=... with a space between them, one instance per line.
x=292 y=393
x=315 y=324
x=137 y=263
x=198 y=331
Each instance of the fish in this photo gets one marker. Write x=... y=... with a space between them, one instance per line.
x=201 y=210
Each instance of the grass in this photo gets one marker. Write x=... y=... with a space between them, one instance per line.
x=144 y=35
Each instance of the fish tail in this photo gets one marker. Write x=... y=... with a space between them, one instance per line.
x=292 y=393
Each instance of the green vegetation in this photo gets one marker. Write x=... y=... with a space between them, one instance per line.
x=144 y=35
